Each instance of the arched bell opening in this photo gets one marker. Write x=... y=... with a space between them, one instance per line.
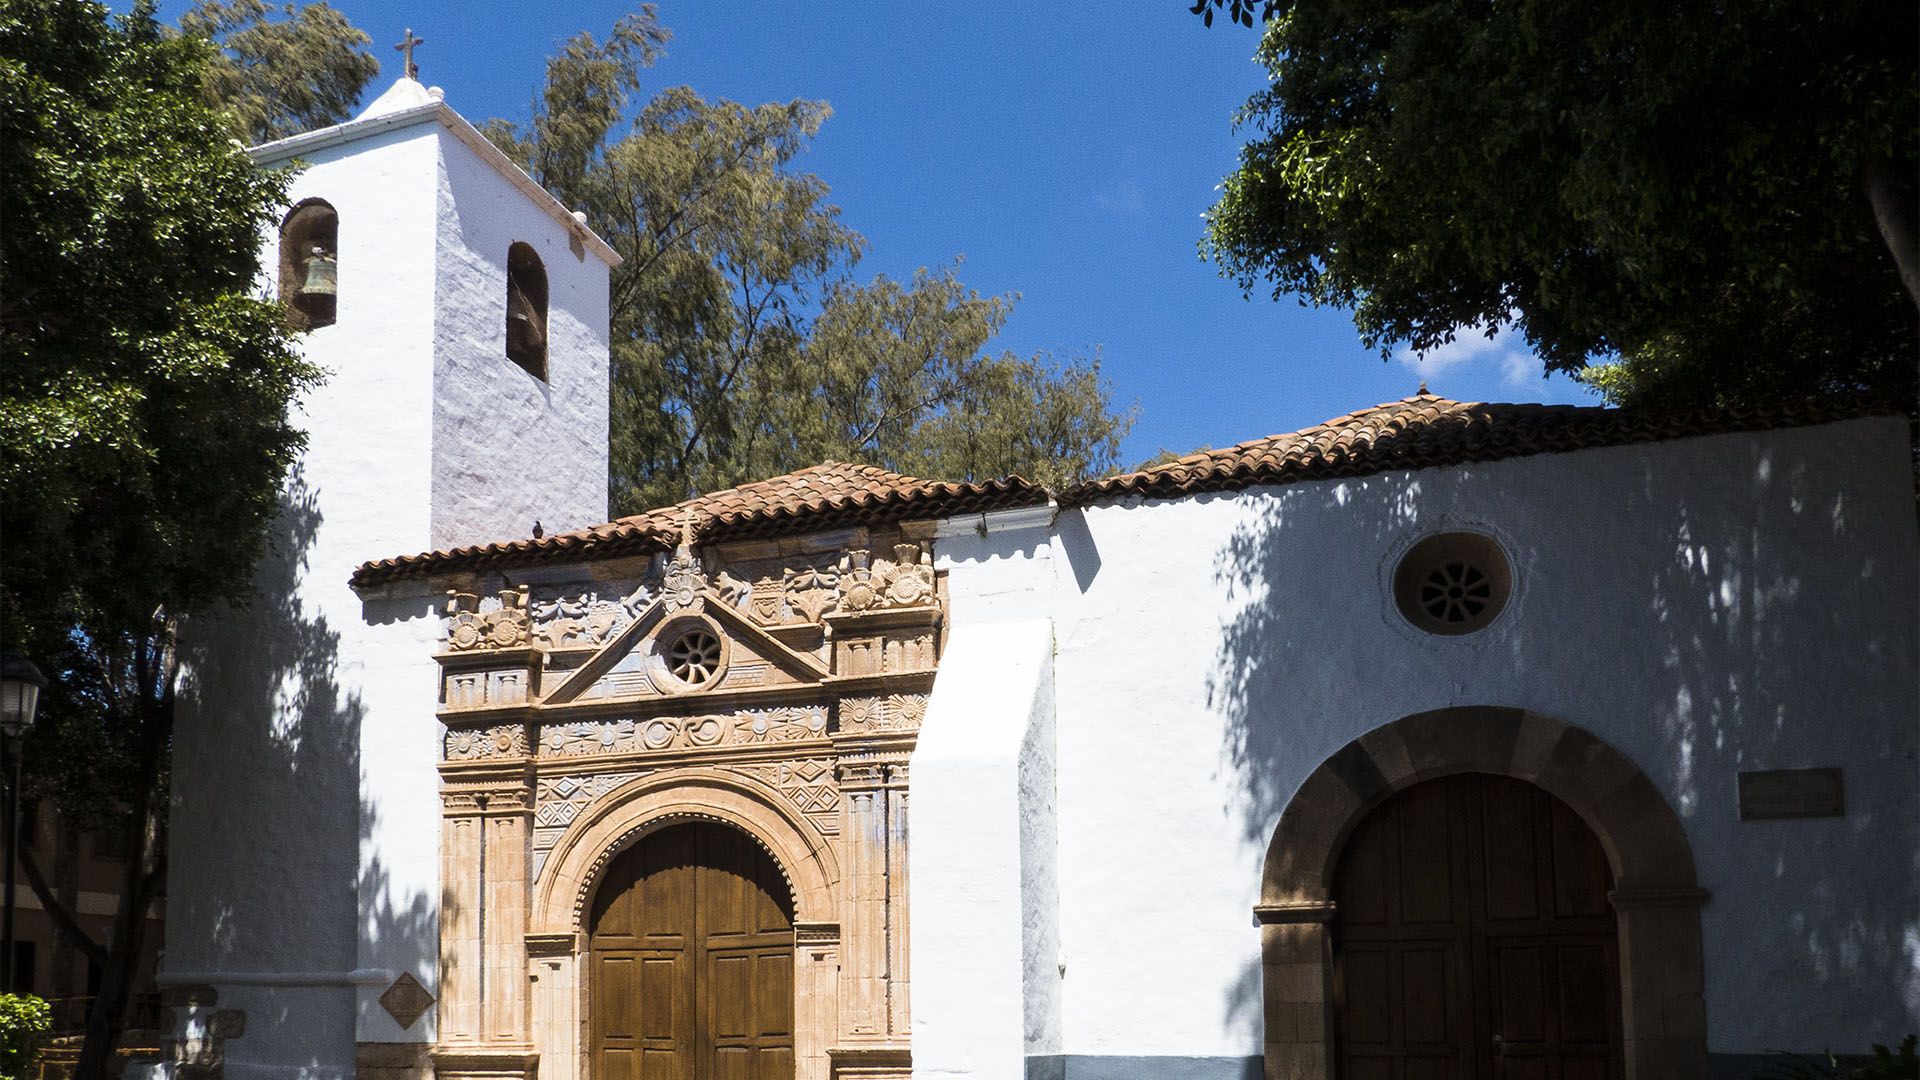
x=527 y=310
x=310 y=264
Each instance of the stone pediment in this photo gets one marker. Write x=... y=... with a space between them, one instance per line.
x=766 y=628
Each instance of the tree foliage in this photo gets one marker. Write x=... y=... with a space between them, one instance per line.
x=1718 y=197
x=142 y=406
x=741 y=344
x=280 y=76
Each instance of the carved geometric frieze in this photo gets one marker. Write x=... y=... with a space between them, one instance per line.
x=558 y=800
x=894 y=712
x=478 y=744
x=743 y=727
x=808 y=784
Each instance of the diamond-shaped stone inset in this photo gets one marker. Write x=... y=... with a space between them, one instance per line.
x=406 y=1000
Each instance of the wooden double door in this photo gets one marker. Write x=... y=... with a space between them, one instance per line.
x=692 y=961
x=1473 y=939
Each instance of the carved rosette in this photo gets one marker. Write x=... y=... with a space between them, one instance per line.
x=894 y=712
x=479 y=744
x=684 y=582
x=906 y=580
x=474 y=624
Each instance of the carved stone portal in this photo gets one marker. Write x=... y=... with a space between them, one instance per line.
x=775 y=687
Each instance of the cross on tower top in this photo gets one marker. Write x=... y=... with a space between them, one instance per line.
x=686 y=529
x=407 y=47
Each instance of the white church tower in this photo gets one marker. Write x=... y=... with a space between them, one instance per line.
x=460 y=313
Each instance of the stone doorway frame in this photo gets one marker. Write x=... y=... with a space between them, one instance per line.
x=1656 y=895
x=563 y=891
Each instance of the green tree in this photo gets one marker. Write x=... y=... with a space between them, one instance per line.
x=741 y=345
x=142 y=411
x=1719 y=198
x=280 y=77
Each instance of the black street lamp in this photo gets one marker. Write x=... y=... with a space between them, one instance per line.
x=20 y=686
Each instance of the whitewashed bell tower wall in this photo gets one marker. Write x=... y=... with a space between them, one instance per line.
x=304 y=874
x=510 y=449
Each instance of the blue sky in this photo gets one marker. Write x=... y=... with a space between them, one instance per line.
x=1067 y=151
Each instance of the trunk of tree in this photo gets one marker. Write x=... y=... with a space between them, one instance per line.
x=1893 y=195
x=145 y=869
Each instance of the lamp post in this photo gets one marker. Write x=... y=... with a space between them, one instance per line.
x=20 y=686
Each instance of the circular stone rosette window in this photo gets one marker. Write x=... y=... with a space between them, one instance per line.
x=689 y=654
x=1453 y=583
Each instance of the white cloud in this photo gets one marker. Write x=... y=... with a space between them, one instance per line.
x=1472 y=351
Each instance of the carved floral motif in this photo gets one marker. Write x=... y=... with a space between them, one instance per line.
x=585 y=618
x=895 y=712
x=473 y=623
x=655 y=734
x=906 y=580
x=811 y=590
x=476 y=744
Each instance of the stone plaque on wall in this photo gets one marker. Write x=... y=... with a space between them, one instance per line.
x=1791 y=793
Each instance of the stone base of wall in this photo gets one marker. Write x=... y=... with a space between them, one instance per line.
x=393 y=1061
x=871 y=1062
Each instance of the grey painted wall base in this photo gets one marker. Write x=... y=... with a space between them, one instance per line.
x=1105 y=1067
x=1768 y=1066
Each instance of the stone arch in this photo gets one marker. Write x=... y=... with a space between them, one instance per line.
x=620 y=818
x=1656 y=896
x=563 y=891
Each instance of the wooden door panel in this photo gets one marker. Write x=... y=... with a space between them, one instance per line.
x=773 y=996
x=1473 y=939
x=1425 y=856
x=692 y=955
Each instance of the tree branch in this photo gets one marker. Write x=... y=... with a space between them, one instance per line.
x=57 y=911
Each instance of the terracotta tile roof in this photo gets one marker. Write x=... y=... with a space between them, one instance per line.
x=827 y=496
x=1426 y=430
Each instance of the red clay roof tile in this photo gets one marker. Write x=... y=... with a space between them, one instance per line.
x=825 y=496
x=1418 y=432
x=1427 y=430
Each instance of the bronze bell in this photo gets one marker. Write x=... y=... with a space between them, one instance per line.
x=322 y=268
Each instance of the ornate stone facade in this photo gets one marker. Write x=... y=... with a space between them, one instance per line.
x=775 y=686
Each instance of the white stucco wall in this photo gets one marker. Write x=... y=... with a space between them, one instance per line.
x=305 y=836
x=267 y=861
x=508 y=448
x=1705 y=606
x=984 y=919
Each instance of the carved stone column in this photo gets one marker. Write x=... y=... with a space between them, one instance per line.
x=488 y=797
x=873 y=1033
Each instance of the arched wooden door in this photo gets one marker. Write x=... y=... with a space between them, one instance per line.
x=692 y=961
x=1473 y=939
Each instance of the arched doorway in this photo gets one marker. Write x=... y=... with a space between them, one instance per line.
x=691 y=970
x=1655 y=897
x=1472 y=938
